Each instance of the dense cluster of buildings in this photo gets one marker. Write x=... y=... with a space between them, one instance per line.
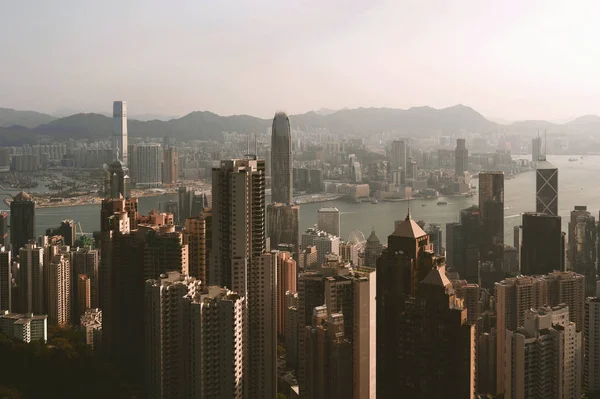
x=228 y=299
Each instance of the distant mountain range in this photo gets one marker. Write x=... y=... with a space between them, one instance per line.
x=18 y=127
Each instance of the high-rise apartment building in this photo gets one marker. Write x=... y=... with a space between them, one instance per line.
x=399 y=155
x=164 y=251
x=329 y=356
x=30 y=279
x=286 y=283
x=329 y=221
x=208 y=359
x=5 y=279
x=543 y=357
x=66 y=230
x=582 y=246
x=454 y=245
x=435 y=237
x=4 y=228
x=349 y=252
x=291 y=329
x=194 y=236
x=262 y=296
x=420 y=371
x=239 y=234
x=86 y=261
x=546 y=183
x=461 y=157
x=543 y=243
x=567 y=288
x=59 y=290
x=22 y=221
x=281 y=160
x=470 y=238
x=84 y=297
x=491 y=208
x=119 y=131
x=283 y=225
x=170 y=165
x=24 y=327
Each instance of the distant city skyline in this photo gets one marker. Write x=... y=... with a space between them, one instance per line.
x=538 y=63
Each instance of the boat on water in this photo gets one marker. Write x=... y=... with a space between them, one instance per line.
x=442 y=203
x=423 y=204
x=572 y=159
x=374 y=200
x=357 y=200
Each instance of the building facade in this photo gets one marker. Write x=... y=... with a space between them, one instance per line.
x=281 y=160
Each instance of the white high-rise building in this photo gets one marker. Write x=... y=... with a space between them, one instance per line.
x=24 y=327
x=325 y=243
x=194 y=340
x=543 y=359
x=329 y=221
x=145 y=163
x=119 y=131
x=59 y=290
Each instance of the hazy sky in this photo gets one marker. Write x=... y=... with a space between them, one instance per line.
x=509 y=59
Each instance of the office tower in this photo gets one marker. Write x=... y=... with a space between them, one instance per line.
x=567 y=288
x=164 y=251
x=461 y=157
x=307 y=258
x=120 y=183
x=536 y=146
x=514 y=296
x=86 y=261
x=119 y=131
x=398 y=155
x=66 y=230
x=543 y=358
x=5 y=280
x=283 y=225
x=170 y=165
x=329 y=221
x=329 y=356
x=84 y=297
x=582 y=246
x=471 y=235
x=59 y=290
x=435 y=237
x=373 y=250
x=281 y=160
x=30 y=279
x=238 y=189
x=415 y=348
x=194 y=236
x=454 y=248
x=185 y=196
x=542 y=246
x=546 y=187
x=91 y=324
x=22 y=221
x=262 y=325
x=591 y=351
x=470 y=294
x=146 y=167
x=517 y=243
x=491 y=208
x=286 y=283
x=24 y=327
x=325 y=243
x=4 y=229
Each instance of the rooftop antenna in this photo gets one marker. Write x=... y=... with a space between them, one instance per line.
x=545 y=142
x=255 y=146
x=247 y=144
x=408 y=211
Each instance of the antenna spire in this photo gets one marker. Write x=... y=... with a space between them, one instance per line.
x=408 y=217
x=247 y=144
x=255 y=146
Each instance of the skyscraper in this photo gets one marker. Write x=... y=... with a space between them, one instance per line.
x=286 y=283
x=146 y=170
x=30 y=279
x=398 y=155
x=22 y=221
x=239 y=233
x=491 y=207
x=542 y=247
x=5 y=280
x=536 y=147
x=591 y=371
x=543 y=358
x=86 y=261
x=582 y=246
x=283 y=225
x=59 y=290
x=470 y=238
x=66 y=230
x=325 y=243
x=431 y=344
x=194 y=236
x=281 y=160
x=329 y=220
x=119 y=131
x=461 y=157
x=546 y=183
x=170 y=165
x=120 y=182
x=373 y=250
x=4 y=228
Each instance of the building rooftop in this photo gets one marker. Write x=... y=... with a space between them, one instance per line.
x=22 y=196
x=543 y=164
x=330 y=209
x=437 y=277
x=373 y=237
x=409 y=228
